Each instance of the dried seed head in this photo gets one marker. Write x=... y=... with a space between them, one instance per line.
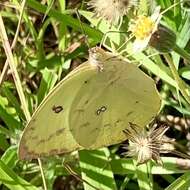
x=111 y=10
x=145 y=145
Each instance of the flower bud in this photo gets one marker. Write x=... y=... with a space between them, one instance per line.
x=163 y=39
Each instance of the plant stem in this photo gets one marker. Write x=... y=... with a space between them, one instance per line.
x=177 y=78
x=5 y=68
x=182 y=52
x=15 y=75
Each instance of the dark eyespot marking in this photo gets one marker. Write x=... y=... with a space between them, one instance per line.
x=51 y=136
x=85 y=82
x=129 y=113
x=59 y=131
x=107 y=125
x=114 y=81
x=93 y=130
x=33 y=120
x=103 y=108
x=31 y=129
x=79 y=110
x=117 y=122
x=34 y=137
x=100 y=110
x=41 y=141
x=53 y=151
x=85 y=124
x=137 y=102
x=86 y=102
x=57 y=109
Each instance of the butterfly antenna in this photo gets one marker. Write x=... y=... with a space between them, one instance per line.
x=82 y=28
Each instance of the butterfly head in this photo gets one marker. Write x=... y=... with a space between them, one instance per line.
x=97 y=56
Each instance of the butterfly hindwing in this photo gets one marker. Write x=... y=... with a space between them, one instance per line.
x=119 y=94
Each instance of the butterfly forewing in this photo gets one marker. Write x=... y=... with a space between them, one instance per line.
x=48 y=131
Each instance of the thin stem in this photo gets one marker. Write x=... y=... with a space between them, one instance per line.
x=42 y=173
x=182 y=53
x=15 y=75
x=172 y=6
x=5 y=68
x=82 y=28
x=177 y=78
x=4 y=71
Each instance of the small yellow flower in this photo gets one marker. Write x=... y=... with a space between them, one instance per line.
x=143 y=27
x=145 y=145
x=111 y=10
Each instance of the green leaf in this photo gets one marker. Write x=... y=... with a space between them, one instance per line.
x=125 y=166
x=181 y=183
x=10 y=157
x=10 y=121
x=67 y=19
x=96 y=170
x=3 y=142
x=185 y=72
x=11 y=180
x=12 y=100
x=144 y=177
x=49 y=79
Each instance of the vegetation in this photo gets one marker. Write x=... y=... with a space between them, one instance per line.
x=48 y=41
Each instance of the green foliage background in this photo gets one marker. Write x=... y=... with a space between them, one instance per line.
x=50 y=44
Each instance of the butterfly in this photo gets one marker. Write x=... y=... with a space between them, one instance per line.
x=91 y=107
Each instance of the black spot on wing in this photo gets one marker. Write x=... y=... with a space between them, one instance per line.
x=85 y=124
x=57 y=109
x=86 y=102
x=101 y=110
x=129 y=113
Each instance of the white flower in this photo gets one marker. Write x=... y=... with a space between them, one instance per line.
x=145 y=145
x=111 y=10
x=143 y=27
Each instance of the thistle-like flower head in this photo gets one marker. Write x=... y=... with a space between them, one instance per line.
x=111 y=10
x=145 y=145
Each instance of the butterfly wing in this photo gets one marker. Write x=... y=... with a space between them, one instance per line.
x=48 y=133
x=108 y=101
